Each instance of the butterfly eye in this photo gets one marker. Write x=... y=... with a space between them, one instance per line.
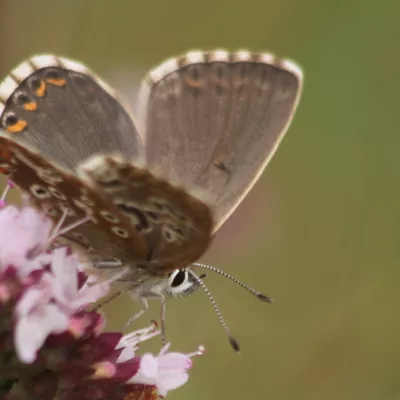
x=181 y=283
x=179 y=278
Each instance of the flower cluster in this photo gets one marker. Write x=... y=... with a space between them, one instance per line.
x=51 y=345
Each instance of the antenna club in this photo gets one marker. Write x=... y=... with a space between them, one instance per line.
x=267 y=299
x=234 y=344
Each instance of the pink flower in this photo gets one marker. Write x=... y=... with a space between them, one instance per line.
x=166 y=371
x=65 y=281
x=22 y=234
x=36 y=318
x=49 y=333
x=51 y=295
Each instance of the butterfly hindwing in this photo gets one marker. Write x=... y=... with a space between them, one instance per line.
x=55 y=191
x=176 y=225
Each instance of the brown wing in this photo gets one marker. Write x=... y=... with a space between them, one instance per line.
x=176 y=225
x=55 y=190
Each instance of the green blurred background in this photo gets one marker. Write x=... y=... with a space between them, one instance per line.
x=319 y=232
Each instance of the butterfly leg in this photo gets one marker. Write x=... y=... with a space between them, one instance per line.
x=145 y=306
x=107 y=300
x=162 y=318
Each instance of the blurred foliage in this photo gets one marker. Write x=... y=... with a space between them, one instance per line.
x=319 y=232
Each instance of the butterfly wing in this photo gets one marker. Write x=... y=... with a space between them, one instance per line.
x=222 y=116
x=176 y=225
x=56 y=190
x=66 y=112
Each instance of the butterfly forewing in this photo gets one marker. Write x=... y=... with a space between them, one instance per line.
x=176 y=225
x=222 y=116
x=65 y=111
x=56 y=190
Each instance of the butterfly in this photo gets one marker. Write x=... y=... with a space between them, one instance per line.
x=153 y=190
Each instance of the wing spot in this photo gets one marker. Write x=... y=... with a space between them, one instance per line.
x=31 y=106
x=39 y=192
x=193 y=78
x=54 y=78
x=38 y=85
x=109 y=216
x=57 y=82
x=170 y=235
x=176 y=230
x=123 y=233
x=9 y=119
x=17 y=127
x=167 y=235
x=193 y=83
x=130 y=209
x=21 y=99
x=152 y=216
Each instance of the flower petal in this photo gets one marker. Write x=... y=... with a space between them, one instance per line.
x=32 y=330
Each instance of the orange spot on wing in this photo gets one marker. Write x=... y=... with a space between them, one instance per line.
x=17 y=127
x=31 y=106
x=57 y=82
x=41 y=90
x=194 y=83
